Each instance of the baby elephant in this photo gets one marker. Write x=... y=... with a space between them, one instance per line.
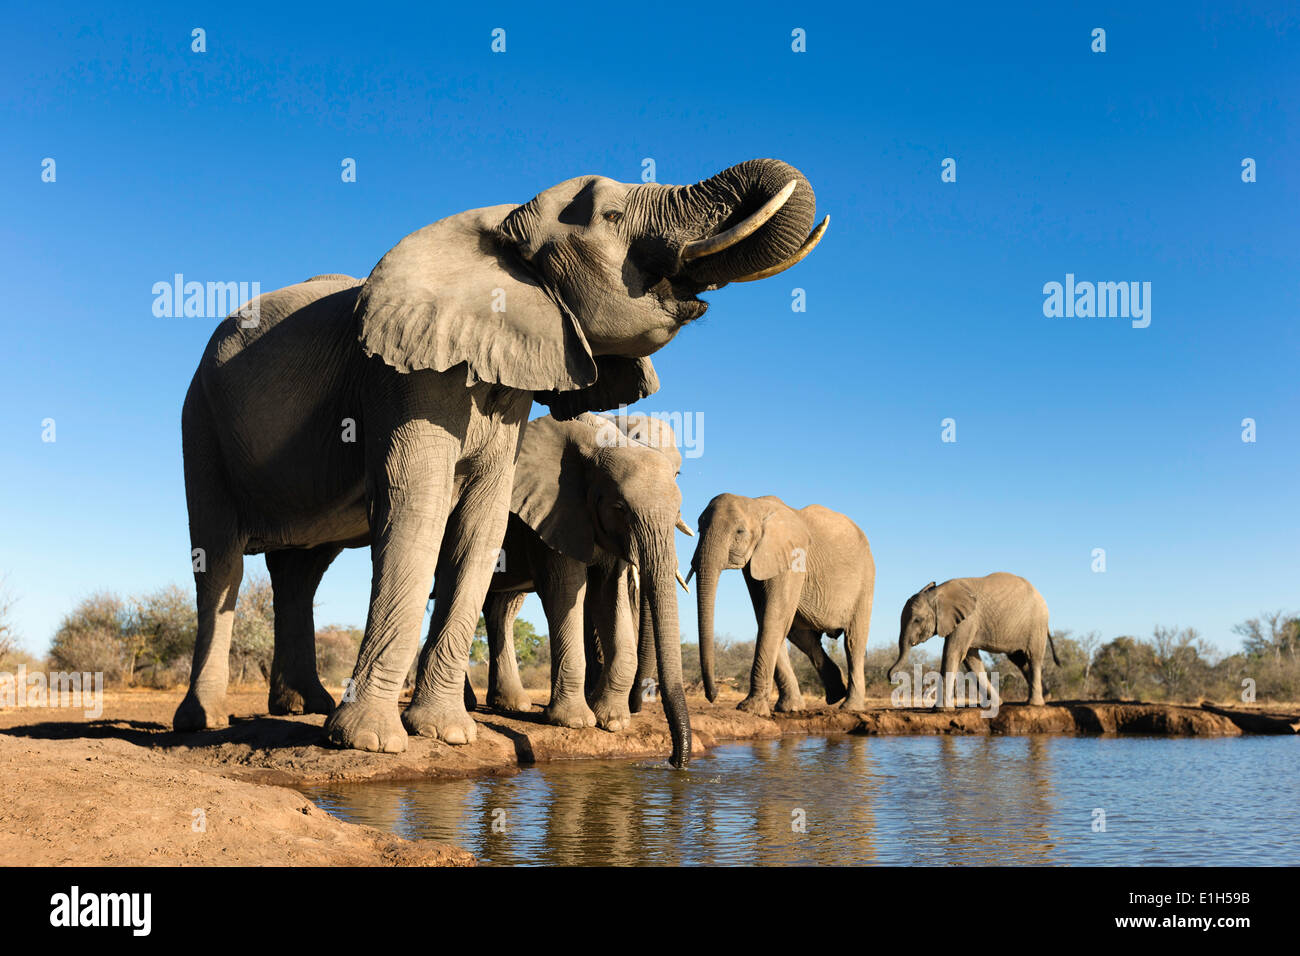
x=1000 y=613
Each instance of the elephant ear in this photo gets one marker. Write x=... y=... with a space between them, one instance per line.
x=456 y=292
x=619 y=381
x=957 y=603
x=784 y=538
x=551 y=481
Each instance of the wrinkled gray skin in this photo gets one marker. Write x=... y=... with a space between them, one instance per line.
x=809 y=573
x=615 y=497
x=1000 y=613
x=432 y=363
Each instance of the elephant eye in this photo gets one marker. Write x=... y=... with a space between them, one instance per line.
x=613 y=216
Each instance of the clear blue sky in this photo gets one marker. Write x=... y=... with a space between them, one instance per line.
x=924 y=302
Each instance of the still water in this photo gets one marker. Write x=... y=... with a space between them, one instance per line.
x=855 y=800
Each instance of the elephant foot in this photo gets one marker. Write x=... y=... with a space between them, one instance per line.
x=758 y=706
x=612 y=713
x=788 y=705
x=366 y=725
x=285 y=699
x=853 y=702
x=194 y=714
x=835 y=694
x=1037 y=703
x=569 y=713
x=449 y=723
x=512 y=701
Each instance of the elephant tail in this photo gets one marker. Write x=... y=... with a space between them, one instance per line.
x=1053 y=647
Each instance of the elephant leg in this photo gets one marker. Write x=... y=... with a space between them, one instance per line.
x=855 y=651
x=410 y=501
x=953 y=653
x=1035 y=677
x=505 y=688
x=218 y=549
x=647 y=670
x=1021 y=660
x=295 y=684
x=204 y=705
x=789 y=697
x=471 y=698
x=562 y=587
x=474 y=534
x=615 y=624
x=593 y=652
x=810 y=642
x=775 y=602
x=975 y=664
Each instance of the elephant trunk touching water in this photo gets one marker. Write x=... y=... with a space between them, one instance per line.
x=657 y=562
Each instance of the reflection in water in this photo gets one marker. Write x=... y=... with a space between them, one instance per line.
x=853 y=800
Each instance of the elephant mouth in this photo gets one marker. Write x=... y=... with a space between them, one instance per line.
x=679 y=296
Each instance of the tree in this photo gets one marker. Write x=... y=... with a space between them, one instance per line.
x=1182 y=662
x=1124 y=667
x=336 y=652
x=1273 y=634
x=163 y=625
x=528 y=643
x=8 y=637
x=92 y=637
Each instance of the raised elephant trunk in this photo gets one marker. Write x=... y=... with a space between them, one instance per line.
x=750 y=219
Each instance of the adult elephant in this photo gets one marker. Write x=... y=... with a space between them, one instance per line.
x=594 y=508
x=809 y=572
x=388 y=412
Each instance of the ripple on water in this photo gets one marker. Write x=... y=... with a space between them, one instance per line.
x=853 y=800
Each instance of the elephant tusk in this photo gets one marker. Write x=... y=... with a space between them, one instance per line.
x=684 y=528
x=809 y=244
x=636 y=581
x=746 y=227
x=682 y=581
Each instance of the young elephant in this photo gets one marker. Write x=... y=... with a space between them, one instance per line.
x=809 y=572
x=1000 y=613
x=592 y=501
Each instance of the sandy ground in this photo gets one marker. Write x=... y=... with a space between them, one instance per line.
x=124 y=789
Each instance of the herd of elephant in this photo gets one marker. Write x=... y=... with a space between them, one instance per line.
x=391 y=412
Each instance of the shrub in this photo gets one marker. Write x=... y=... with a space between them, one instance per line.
x=252 y=640
x=336 y=652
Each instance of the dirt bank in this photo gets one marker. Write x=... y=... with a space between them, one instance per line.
x=122 y=788
x=108 y=802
